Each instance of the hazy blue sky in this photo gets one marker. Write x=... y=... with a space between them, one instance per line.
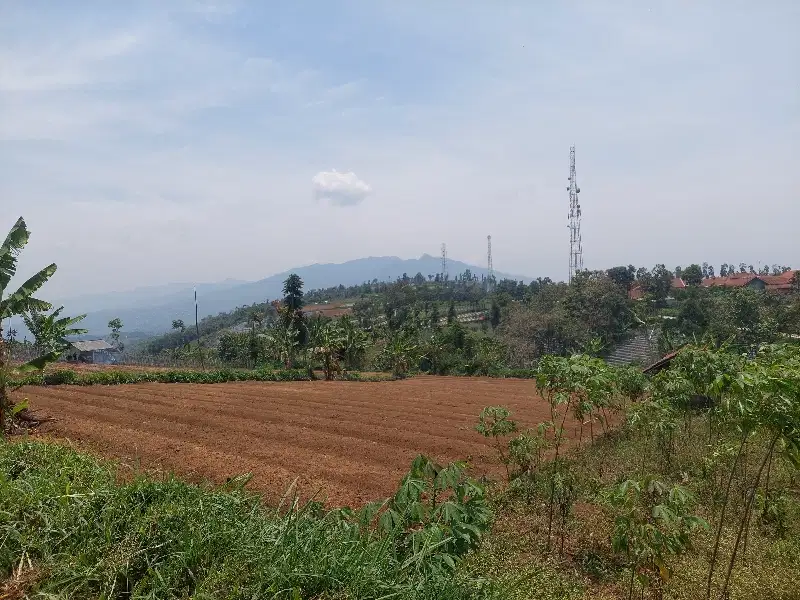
x=179 y=140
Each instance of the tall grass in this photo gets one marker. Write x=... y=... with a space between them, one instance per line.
x=68 y=528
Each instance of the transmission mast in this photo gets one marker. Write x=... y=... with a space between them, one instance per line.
x=490 y=267
x=444 y=262
x=575 y=244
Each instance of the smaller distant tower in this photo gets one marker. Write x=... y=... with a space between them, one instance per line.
x=444 y=261
x=489 y=265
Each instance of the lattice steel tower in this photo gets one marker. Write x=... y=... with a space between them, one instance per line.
x=490 y=267
x=444 y=262
x=575 y=244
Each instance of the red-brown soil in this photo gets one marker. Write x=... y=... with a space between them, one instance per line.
x=351 y=442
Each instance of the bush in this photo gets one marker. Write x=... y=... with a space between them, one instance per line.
x=119 y=376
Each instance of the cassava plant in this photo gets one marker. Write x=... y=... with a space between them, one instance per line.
x=651 y=524
x=495 y=423
x=437 y=515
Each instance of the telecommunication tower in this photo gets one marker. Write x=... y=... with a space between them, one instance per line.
x=444 y=261
x=490 y=267
x=575 y=244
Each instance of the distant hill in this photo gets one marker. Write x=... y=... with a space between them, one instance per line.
x=151 y=310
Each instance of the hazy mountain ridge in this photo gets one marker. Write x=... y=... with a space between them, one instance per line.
x=151 y=310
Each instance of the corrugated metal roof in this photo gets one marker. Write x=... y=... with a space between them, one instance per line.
x=92 y=345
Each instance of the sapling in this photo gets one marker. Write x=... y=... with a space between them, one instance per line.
x=494 y=423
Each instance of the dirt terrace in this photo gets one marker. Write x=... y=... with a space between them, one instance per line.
x=350 y=442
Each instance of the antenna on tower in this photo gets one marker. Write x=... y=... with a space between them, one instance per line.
x=444 y=262
x=490 y=267
x=575 y=244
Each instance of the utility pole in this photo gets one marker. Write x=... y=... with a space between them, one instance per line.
x=575 y=244
x=444 y=262
x=490 y=267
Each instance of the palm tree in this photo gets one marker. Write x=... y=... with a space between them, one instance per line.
x=18 y=302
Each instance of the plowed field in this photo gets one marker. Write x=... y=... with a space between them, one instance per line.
x=349 y=442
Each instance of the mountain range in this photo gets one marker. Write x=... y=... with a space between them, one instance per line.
x=150 y=310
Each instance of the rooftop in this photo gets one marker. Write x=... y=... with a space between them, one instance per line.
x=91 y=345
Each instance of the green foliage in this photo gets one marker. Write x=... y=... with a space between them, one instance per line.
x=20 y=302
x=651 y=524
x=494 y=422
x=692 y=275
x=526 y=451
x=168 y=539
x=437 y=515
x=115 y=325
x=49 y=331
x=399 y=354
x=117 y=377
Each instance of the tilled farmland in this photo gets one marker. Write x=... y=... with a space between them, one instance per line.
x=345 y=442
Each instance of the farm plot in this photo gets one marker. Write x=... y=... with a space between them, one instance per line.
x=346 y=442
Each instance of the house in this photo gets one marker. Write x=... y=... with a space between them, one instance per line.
x=779 y=284
x=92 y=351
x=637 y=292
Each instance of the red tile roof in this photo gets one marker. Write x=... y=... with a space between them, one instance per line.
x=736 y=280
x=775 y=283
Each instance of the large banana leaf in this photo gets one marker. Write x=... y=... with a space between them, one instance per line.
x=21 y=301
x=37 y=364
x=15 y=241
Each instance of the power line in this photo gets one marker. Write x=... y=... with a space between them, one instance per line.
x=444 y=262
x=575 y=243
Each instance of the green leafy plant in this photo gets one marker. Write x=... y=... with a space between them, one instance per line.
x=18 y=302
x=651 y=524
x=50 y=331
x=494 y=422
x=437 y=515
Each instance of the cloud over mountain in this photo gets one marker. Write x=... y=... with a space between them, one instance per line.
x=340 y=189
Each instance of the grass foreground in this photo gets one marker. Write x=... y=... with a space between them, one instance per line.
x=69 y=528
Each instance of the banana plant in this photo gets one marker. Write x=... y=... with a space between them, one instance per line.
x=328 y=345
x=50 y=331
x=18 y=302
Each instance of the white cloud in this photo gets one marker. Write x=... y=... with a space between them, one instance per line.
x=340 y=189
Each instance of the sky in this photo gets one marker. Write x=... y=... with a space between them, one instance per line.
x=148 y=142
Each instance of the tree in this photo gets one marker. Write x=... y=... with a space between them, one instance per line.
x=435 y=317
x=49 y=331
x=328 y=344
x=115 y=325
x=451 y=313
x=705 y=270
x=292 y=308
x=622 y=276
x=494 y=315
x=16 y=303
x=659 y=283
x=711 y=270
x=723 y=270
x=179 y=326
x=742 y=268
x=293 y=292
x=692 y=275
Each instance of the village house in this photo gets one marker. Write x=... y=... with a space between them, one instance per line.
x=92 y=351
